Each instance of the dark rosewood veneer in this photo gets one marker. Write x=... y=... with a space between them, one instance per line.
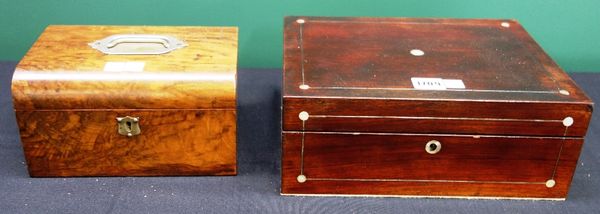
x=426 y=108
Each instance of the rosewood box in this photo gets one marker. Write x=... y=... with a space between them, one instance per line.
x=128 y=101
x=426 y=108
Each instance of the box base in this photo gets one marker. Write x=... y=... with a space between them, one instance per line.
x=426 y=196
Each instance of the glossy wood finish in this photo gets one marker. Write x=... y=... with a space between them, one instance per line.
x=397 y=164
x=61 y=71
x=67 y=101
x=366 y=63
x=86 y=143
x=364 y=126
x=438 y=116
x=504 y=62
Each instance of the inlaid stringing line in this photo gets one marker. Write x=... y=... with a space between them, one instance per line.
x=562 y=144
x=414 y=89
x=421 y=180
x=300 y=43
x=302 y=151
x=422 y=134
x=434 y=118
x=399 y=22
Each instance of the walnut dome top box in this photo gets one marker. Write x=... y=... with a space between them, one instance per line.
x=414 y=107
x=128 y=101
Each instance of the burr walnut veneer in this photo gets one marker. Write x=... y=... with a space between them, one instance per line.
x=426 y=108
x=128 y=101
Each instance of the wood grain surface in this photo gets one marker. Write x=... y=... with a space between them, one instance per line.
x=397 y=164
x=67 y=99
x=362 y=67
x=86 y=143
x=343 y=56
x=436 y=116
x=61 y=71
x=518 y=122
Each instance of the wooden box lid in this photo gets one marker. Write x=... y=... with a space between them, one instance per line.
x=128 y=67
x=425 y=76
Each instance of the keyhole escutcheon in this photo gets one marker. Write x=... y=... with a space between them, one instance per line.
x=433 y=147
